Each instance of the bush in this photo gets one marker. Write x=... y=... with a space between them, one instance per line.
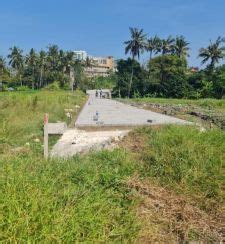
x=23 y=88
x=53 y=86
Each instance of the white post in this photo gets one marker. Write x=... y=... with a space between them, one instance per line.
x=46 y=136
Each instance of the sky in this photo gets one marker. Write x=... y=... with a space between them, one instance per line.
x=101 y=26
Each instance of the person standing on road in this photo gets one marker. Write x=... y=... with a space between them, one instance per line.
x=101 y=93
x=96 y=94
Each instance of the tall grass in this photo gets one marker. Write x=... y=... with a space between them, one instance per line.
x=81 y=199
x=187 y=160
x=21 y=114
x=86 y=198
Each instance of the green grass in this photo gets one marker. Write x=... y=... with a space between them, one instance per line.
x=21 y=114
x=86 y=198
x=188 y=161
x=204 y=103
x=82 y=199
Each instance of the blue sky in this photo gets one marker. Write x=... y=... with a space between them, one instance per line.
x=101 y=26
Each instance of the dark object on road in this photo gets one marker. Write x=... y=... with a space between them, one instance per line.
x=96 y=93
x=149 y=121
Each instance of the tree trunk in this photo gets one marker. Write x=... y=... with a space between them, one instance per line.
x=131 y=78
x=21 y=83
x=150 y=58
x=33 y=78
x=41 y=75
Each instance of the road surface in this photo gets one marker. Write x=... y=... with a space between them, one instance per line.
x=113 y=113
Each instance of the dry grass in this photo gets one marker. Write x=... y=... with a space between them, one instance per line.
x=167 y=216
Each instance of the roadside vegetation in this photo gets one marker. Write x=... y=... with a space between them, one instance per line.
x=159 y=184
x=204 y=103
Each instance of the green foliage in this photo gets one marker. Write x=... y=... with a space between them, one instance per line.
x=23 y=88
x=169 y=72
x=187 y=160
x=124 y=68
x=53 y=86
x=21 y=114
x=108 y=82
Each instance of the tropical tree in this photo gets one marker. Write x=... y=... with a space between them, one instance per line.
x=2 y=65
x=69 y=67
x=135 y=46
x=31 y=61
x=42 y=65
x=153 y=45
x=213 y=53
x=16 y=60
x=181 y=47
x=167 y=45
x=53 y=57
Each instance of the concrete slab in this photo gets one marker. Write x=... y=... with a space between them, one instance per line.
x=76 y=141
x=117 y=114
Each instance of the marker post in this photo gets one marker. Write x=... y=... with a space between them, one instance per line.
x=46 y=136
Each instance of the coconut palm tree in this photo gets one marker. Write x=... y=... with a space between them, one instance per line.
x=31 y=61
x=213 y=53
x=53 y=57
x=16 y=60
x=181 y=47
x=135 y=46
x=153 y=45
x=167 y=45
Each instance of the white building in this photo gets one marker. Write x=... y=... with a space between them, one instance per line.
x=80 y=55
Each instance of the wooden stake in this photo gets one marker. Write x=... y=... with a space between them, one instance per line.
x=46 y=136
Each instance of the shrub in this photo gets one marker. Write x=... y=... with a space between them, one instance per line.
x=53 y=86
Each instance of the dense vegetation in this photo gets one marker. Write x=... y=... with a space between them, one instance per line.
x=94 y=197
x=54 y=68
x=167 y=73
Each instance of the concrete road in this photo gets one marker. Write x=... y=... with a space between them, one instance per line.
x=113 y=113
x=110 y=114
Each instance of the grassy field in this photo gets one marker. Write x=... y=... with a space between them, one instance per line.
x=204 y=103
x=161 y=184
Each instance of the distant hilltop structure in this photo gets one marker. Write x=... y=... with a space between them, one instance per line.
x=96 y=66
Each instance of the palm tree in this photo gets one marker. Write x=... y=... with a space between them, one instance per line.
x=153 y=45
x=135 y=46
x=181 y=47
x=53 y=57
x=16 y=60
x=167 y=45
x=69 y=69
x=31 y=61
x=213 y=53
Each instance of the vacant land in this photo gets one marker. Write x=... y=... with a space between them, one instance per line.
x=207 y=112
x=160 y=184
